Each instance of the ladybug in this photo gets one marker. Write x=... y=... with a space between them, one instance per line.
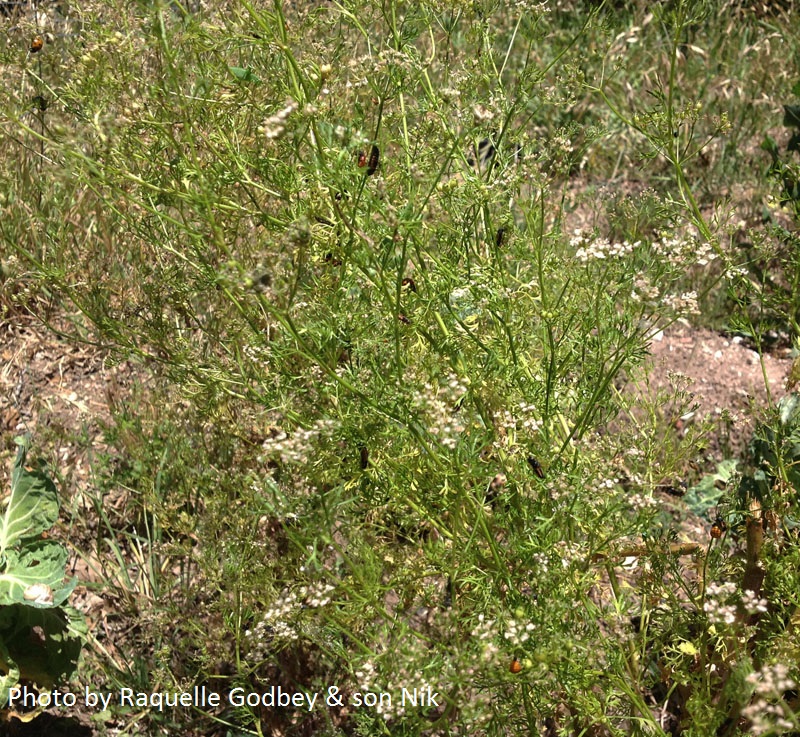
x=37 y=44
x=536 y=466
x=718 y=528
x=374 y=160
x=515 y=666
x=362 y=159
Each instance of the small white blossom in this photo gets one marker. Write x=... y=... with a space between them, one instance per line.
x=275 y=126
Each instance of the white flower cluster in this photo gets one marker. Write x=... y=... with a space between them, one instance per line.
x=393 y=57
x=529 y=421
x=482 y=114
x=541 y=562
x=682 y=304
x=516 y=633
x=258 y=354
x=530 y=6
x=772 y=679
x=366 y=680
x=765 y=715
x=640 y=501
x=680 y=252
x=272 y=627
x=275 y=126
x=486 y=633
x=366 y=677
x=317 y=595
x=597 y=249
x=278 y=623
x=684 y=251
x=525 y=420
x=296 y=449
x=717 y=611
x=752 y=604
x=644 y=290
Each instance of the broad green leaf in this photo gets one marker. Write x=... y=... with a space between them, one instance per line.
x=11 y=671
x=40 y=563
x=706 y=494
x=32 y=507
x=791 y=116
x=44 y=644
x=789 y=408
x=40 y=637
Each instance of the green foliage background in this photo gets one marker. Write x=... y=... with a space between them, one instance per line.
x=381 y=437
